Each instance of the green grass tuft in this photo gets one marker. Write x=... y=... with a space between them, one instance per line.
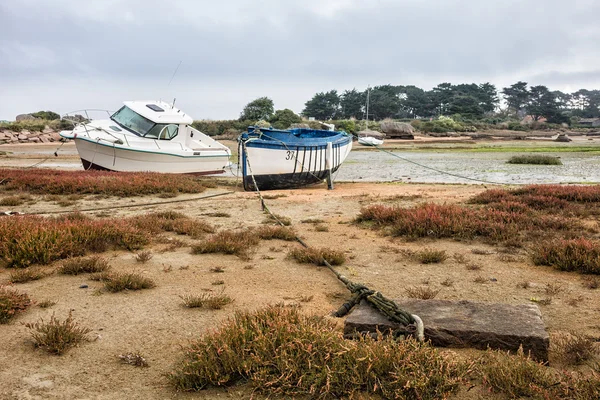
x=537 y=159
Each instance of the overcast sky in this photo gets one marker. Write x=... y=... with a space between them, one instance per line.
x=64 y=55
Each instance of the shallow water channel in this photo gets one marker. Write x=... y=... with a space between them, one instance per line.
x=438 y=163
x=466 y=167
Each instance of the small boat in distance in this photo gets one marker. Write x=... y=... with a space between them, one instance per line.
x=369 y=139
x=285 y=159
x=148 y=136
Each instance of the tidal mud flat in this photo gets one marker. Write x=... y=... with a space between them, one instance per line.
x=154 y=322
x=425 y=161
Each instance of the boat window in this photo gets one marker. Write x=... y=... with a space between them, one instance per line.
x=162 y=131
x=154 y=107
x=133 y=121
x=169 y=132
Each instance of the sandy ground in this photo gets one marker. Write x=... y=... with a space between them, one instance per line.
x=154 y=323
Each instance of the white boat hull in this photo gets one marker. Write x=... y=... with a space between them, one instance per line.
x=370 y=141
x=291 y=166
x=114 y=157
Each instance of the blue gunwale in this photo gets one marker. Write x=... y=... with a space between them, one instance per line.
x=283 y=139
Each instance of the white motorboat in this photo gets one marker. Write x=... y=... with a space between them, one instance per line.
x=148 y=136
x=368 y=137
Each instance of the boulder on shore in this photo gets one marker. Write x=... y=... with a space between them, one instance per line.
x=397 y=130
x=370 y=133
x=25 y=117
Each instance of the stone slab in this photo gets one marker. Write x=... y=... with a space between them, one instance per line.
x=464 y=324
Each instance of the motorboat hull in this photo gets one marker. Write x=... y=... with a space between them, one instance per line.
x=101 y=155
x=282 y=162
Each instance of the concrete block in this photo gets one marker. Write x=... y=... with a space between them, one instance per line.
x=464 y=324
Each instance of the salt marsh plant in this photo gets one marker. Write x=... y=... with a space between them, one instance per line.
x=212 y=301
x=541 y=197
x=422 y=292
x=581 y=255
x=117 y=282
x=317 y=256
x=430 y=256
x=11 y=201
x=321 y=228
x=318 y=362
x=573 y=348
x=276 y=232
x=26 y=275
x=460 y=222
x=240 y=243
x=46 y=303
x=27 y=240
x=276 y=219
x=172 y=221
x=57 y=336
x=83 y=265
x=517 y=376
x=12 y=302
x=143 y=256
x=122 y=184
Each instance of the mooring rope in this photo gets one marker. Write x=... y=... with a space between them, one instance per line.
x=130 y=205
x=434 y=169
x=410 y=324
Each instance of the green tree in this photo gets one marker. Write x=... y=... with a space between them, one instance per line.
x=543 y=103
x=323 y=106
x=586 y=103
x=441 y=96
x=414 y=103
x=261 y=108
x=352 y=104
x=465 y=105
x=384 y=102
x=516 y=96
x=283 y=119
x=488 y=97
x=563 y=100
x=47 y=115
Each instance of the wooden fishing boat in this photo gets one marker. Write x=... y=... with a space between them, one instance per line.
x=284 y=159
x=148 y=136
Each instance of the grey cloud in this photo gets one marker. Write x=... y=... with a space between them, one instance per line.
x=336 y=43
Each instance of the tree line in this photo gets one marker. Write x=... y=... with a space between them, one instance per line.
x=470 y=101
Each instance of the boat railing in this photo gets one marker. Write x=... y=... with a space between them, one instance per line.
x=84 y=116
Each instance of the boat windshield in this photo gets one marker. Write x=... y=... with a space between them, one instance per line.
x=134 y=122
